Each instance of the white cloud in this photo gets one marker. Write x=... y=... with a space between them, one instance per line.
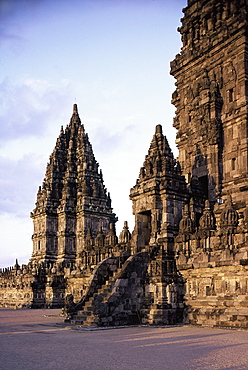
x=16 y=242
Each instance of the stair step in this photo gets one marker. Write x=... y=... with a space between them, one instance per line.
x=86 y=315
x=88 y=308
x=89 y=323
x=104 y=290
x=90 y=300
x=82 y=312
x=81 y=317
x=77 y=322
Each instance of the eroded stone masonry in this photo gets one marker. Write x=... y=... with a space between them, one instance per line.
x=186 y=259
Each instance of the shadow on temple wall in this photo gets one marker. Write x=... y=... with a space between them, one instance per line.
x=48 y=288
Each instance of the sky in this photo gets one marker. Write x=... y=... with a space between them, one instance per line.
x=112 y=58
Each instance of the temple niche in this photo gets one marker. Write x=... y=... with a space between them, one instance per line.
x=186 y=260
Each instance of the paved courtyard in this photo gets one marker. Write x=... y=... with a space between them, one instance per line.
x=38 y=339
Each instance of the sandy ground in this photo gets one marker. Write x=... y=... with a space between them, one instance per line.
x=39 y=339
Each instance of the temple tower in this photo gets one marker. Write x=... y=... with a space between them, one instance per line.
x=158 y=195
x=211 y=98
x=72 y=201
x=158 y=198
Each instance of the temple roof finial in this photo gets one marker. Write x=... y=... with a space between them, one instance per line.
x=75 y=108
x=75 y=117
x=159 y=130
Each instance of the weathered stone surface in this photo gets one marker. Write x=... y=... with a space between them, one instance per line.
x=187 y=257
x=211 y=102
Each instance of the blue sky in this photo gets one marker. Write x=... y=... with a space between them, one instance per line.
x=111 y=57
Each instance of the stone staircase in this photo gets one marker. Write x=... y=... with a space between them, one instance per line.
x=86 y=316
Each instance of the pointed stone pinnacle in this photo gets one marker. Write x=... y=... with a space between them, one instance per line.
x=75 y=110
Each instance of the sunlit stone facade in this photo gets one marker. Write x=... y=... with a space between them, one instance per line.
x=186 y=260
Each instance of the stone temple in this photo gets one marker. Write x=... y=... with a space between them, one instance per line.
x=186 y=261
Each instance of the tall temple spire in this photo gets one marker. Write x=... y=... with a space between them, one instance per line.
x=72 y=199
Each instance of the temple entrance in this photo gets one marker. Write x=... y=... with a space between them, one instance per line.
x=144 y=226
x=204 y=184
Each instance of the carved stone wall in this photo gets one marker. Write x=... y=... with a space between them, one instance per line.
x=187 y=257
x=211 y=96
x=211 y=114
x=217 y=296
